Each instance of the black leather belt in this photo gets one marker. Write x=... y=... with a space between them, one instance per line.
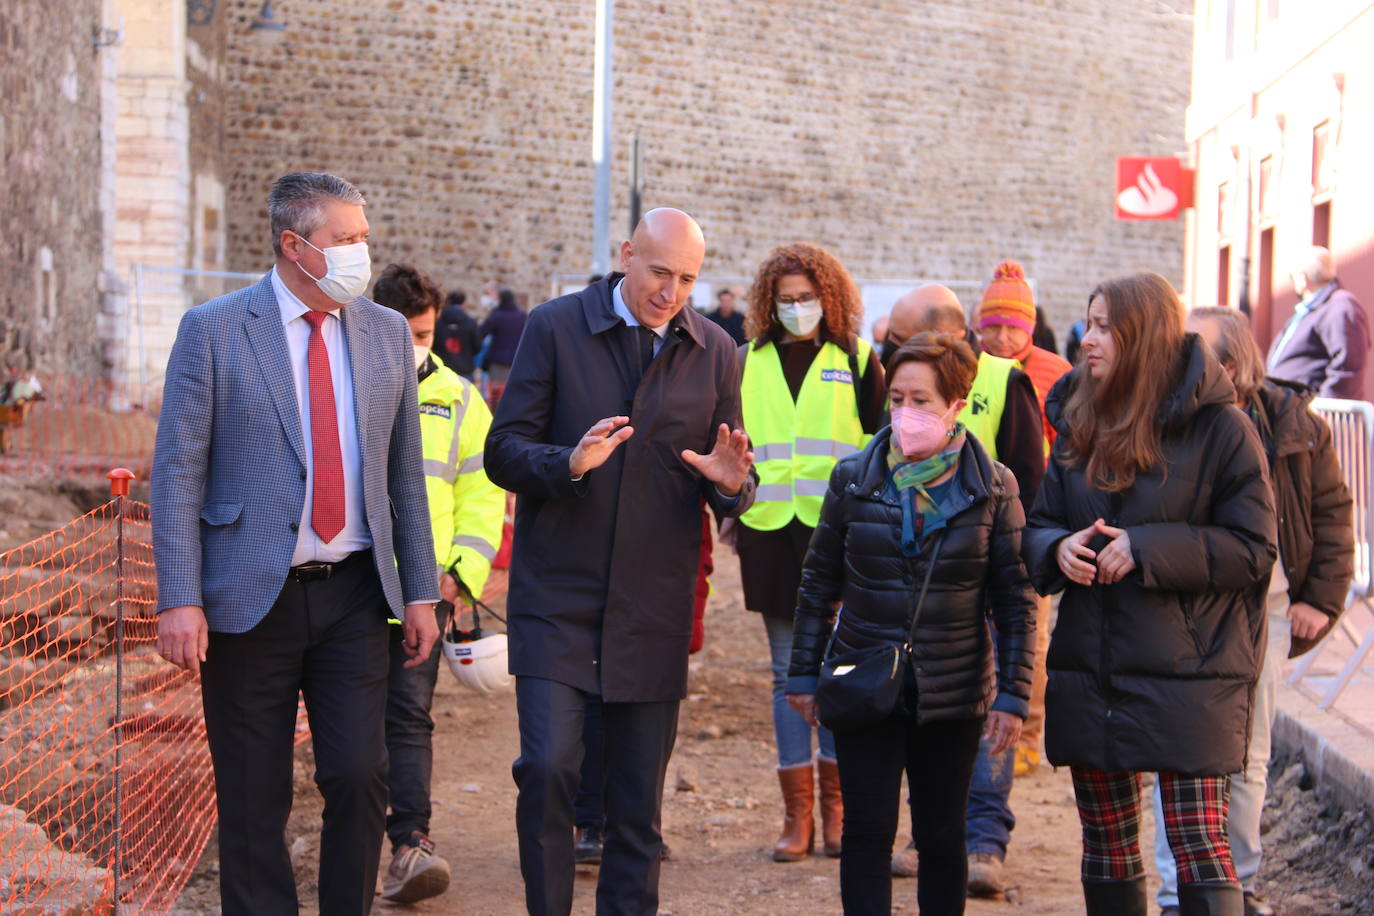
x=315 y=572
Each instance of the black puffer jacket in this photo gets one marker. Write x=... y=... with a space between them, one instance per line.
x=1313 y=503
x=1157 y=672
x=856 y=557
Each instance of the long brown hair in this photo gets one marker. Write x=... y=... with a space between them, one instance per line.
x=1113 y=422
x=842 y=309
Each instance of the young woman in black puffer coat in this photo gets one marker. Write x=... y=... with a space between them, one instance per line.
x=1156 y=520
x=923 y=490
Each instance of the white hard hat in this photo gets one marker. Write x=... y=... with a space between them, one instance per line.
x=478 y=661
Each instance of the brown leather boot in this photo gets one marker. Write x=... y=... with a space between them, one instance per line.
x=798 y=826
x=832 y=806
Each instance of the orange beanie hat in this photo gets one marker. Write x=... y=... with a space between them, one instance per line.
x=1008 y=299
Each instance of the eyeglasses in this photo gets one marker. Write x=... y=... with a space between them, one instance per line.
x=804 y=299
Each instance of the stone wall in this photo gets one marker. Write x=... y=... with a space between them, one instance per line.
x=915 y=139
x=50 y=224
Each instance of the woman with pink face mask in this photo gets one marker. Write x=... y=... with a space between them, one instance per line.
x=919 y=538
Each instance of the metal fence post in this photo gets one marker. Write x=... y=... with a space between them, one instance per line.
x=119 y=491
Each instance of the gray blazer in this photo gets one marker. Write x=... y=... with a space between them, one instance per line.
x=228 y=482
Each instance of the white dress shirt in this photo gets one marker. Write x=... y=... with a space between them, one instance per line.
x=621 y=309
x=355 y=534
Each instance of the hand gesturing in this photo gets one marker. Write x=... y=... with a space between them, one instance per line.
x=728 y=463
x=598 y=443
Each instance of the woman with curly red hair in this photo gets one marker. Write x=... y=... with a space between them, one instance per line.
x=812 y=393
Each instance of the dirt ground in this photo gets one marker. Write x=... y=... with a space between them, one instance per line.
x=721 y=832
x=722 y=808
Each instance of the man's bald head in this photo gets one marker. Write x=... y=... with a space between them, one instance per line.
x=661 y=262
x=931 y=307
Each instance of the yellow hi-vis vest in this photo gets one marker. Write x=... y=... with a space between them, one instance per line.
x=988 y=400
x=796 y=445
x=466 y=510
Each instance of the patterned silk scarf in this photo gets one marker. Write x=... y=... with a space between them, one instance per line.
x=921 y=517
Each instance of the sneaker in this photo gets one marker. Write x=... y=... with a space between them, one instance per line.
x=1027 y=760
x=415 y=873
x=904 y=863
x=587 y=847
x=1255 y=905
x=984 y=875
x=1169 y=911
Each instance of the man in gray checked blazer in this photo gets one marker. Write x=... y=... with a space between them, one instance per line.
x=289 y=522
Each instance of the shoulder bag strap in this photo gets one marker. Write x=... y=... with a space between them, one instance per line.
x=925 y=585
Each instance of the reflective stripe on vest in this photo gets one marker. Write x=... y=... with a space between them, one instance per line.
x=794 y=470
x=987 y=401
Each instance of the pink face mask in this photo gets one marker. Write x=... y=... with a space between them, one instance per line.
x=919 y=432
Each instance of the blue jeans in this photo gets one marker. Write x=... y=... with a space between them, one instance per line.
x=409 y=734
x=990 y=820
x=790 y=730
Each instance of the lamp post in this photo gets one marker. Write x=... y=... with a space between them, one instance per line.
x=601 y=133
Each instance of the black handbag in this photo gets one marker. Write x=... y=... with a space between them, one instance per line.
x=861 y=687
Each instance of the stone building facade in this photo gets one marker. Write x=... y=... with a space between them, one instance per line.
x=916 y=140
x=51 y=238
x=922 y=139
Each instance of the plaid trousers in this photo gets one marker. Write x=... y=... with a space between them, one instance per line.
x=1195 y=809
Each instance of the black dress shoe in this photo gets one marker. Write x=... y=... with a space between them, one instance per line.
x=587 y=848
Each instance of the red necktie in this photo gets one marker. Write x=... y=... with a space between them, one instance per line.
x=327 y=512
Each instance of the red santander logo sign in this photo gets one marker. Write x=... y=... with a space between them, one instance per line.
x=1152 y=187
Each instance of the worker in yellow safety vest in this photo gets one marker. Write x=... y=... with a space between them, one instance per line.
x=466 y=512
x=812 y=392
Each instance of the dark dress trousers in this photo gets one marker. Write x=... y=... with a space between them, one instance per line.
x=603 y=572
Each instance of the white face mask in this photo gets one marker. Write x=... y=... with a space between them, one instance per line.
x=421 y=354
x=347 y=268
x=800 y=318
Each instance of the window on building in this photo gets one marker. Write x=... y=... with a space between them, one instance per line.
x=1224 y=275
x=1321 y=224
x=1224 y=209
x=1268 y=189
x=1322 y=162
x=209 y=239
x=45 y=285
x=1264 y=300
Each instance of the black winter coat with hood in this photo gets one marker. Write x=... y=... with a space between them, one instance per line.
x=856 y=558
x=1157 y=672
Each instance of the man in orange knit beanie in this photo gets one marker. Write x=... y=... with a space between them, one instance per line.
x=1006 y=322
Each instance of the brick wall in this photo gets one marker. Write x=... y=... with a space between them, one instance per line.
x=915 y=139
x=50 y=225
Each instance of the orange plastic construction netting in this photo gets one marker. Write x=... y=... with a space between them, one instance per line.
x=106 y=786
x=106 y=790
x=67 y=425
